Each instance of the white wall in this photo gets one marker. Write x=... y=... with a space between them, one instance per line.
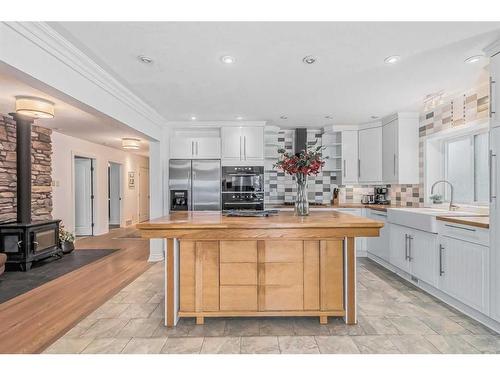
x=64 y=149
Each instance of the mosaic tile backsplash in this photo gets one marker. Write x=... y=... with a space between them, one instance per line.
x=461 y=110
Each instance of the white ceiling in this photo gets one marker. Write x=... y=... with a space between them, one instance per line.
x=350 y=81
x=69 y=119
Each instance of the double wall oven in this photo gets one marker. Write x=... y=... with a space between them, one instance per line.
x=243 y=188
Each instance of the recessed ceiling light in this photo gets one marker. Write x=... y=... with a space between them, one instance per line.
x=473 y=59
x=239 y=118
x=227 y=59
x=392 y=59
x=145 y=59
x=283 y=117
x=328 y=117
x=310 y=59
x=193 y=118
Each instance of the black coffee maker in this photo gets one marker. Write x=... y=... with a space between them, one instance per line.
x=381 y=195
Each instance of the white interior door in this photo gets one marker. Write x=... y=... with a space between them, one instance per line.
x=83 y=197
x=114 y=193
x=143 y=194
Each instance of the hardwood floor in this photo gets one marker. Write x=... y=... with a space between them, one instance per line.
x=31 y=322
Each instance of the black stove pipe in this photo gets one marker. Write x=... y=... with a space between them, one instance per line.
x=23 y=154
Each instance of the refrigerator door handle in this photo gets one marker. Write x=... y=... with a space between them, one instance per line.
x=492 y=170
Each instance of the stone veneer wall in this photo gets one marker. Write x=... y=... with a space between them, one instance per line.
x=460 y=110
x=41 y=154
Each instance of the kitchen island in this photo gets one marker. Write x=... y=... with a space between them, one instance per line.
x=282 y=265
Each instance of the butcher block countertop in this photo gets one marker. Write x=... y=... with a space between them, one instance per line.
x=474 y=221
x=377 y=207
x=283 y=220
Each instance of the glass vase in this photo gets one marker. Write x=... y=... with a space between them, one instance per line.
x=301 y=200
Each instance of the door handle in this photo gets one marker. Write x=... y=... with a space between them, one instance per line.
x=406 y=247
x=394 y=162
x=441 y=270
x=410 y=238
x=492 y=101
x=344 y=168
x=492 y=172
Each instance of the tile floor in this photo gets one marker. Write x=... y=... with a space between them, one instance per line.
x=394 y=317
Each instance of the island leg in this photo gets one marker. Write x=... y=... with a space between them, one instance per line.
x=350 y=276
x=169 y=283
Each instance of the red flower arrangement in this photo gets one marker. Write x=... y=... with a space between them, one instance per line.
x=307 y=162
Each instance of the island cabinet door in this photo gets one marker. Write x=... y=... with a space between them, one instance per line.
x=199 y=276
x=281 y=275
x=238 y=275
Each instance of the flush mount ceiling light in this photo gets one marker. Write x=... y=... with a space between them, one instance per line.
x=310 y=59
x=394 y=59
x=374 y=117
x=145 y=59
x=227 y=59
x=193 y=118
x=283 y=117
x=130 y=143
x=329 y=117
x=34 y=107
x=473 y=59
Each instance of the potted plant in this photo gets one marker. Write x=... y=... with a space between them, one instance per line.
x=67 y=240
x=301 y=165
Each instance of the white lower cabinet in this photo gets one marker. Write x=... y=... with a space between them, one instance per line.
x=415 y=252
x=463 y=269
x=398 y=255
x=423 y=259
x=379 y=246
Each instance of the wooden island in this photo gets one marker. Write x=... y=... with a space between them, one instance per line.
x=282 y=265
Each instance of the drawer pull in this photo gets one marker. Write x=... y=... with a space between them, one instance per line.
x=457 y=227
x=441 y=270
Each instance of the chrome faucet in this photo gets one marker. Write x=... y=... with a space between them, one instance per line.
x=452 y=206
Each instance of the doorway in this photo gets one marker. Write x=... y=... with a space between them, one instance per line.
x=114 y=195
x=84 y=195
x=143 y=194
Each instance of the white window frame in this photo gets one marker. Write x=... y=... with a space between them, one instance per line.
x=435 y=148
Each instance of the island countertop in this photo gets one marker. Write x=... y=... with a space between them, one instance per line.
x=282 y=220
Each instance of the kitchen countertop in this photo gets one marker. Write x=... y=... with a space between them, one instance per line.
x=378 y=207
x=285 y=219
x=474 y=221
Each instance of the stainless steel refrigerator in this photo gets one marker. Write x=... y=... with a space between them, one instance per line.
x=202 y=181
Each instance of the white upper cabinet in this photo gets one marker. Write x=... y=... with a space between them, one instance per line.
x=370 y=154
x=242 y=145
x=400 y=149
x=349 y=156
x=199 y=143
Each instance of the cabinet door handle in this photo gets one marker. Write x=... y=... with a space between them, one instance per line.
x=441 y=270
x=241 y=148
x=394 y=163
x=410 y=238
x=359 y=168
x=197 y=145
x=344 y=168
x=245 y=146
x=192 y=148
x=457 y=227
x=492 y=172
x=406 y=247
x=492 y=101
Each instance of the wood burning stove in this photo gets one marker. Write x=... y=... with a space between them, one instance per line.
x=26 y=241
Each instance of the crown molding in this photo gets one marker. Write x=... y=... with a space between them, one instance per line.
x=54 y=44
